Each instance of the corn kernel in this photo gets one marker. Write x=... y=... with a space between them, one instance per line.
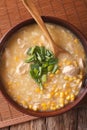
x=75 y=63
x=61 y=94
x=52 y=93
x=68 y=97
x=81 y=72
x=68 y=90
x=78 y=81
x=53 y=106
x=29 y=98
x=61 y=100
x=21 y=56
x=44 y=106
x=16 y=58
x=23 y=103
x=40 y=44
x=30 y=106
x=51 y=75
x=66 y=78
x=15 y=85
x=80 y=76
x=68 y=62
x=54 y=88
x=56 y=94
x=35 y=41
x=45 y=85
x=18 y=98
x=66 y=93
x=76 y=93
x=67 y=85
x=35 y=108
x=70 y=79
x=52 y=103
x=72 y=97
x=48 y=103
x=41 y=91
x=49 y=95
x=9 y=83
x=60 y=64
x=61 y=104
x=37 y=90
x=66 y=102
x=57 y=106
x=76 y=51
x=57 y=72
x=75 y=40
x=64 y=60
x=74 y=78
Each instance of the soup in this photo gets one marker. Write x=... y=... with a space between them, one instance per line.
x=61 y=87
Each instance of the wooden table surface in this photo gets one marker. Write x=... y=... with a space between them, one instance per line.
x=75 y=119
x=74 y=11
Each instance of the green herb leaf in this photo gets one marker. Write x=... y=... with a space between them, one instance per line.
x=31 y=50
x=31 y=58
x=55 y=68
x=50 y=68
x=42 y=62
x=45 y=64
x=44 y=78
x=39 y=57
x=41 y=86
x=40 y=71
x=53 y=61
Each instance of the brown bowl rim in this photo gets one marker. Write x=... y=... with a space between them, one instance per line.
x=83 y=91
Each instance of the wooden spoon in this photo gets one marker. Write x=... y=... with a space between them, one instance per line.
x=29 y=5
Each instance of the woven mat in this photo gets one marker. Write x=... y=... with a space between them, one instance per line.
x=12 y=12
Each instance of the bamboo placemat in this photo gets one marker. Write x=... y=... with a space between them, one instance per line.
x=12 y=12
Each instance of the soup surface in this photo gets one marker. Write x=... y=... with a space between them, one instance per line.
x=60 y=88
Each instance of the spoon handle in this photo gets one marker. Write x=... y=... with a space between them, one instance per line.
x=35 y=14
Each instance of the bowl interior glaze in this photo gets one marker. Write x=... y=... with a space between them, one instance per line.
x=83 y=91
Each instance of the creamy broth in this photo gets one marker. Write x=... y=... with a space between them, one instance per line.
x=61 y=88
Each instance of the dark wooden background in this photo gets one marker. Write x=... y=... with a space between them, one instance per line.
x=74 y=11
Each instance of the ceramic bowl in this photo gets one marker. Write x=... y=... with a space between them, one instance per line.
x=83 y=91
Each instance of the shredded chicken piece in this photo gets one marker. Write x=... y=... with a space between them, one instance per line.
x=80 y=84
x=70 y=70
x=81 y=63
x=22 y=68
x=22 y=43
